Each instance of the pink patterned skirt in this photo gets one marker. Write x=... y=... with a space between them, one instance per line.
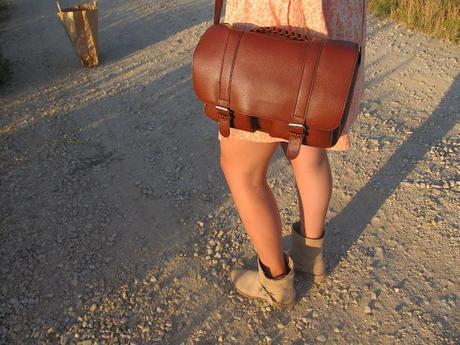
x=336 y=19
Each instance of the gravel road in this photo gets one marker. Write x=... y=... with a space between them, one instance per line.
x=116 y=225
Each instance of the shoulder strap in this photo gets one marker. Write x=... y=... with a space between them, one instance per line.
x=218 y=11
x=363 y=23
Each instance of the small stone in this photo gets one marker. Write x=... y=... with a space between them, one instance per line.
x=378 y=305
x=379 y=252
x=93 y=308
x=85 y=342
x=200 y=223
x=367 y=310
x=108 y=259
x=63 y=340
x=321 y=338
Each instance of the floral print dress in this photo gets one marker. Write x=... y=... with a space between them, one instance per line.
x=335 y=19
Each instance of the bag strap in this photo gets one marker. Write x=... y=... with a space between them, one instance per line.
x=298 y=129
x=223 y=103
x=218 y=11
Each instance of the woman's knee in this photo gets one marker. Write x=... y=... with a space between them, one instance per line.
x=311 y=158
x=244 y=172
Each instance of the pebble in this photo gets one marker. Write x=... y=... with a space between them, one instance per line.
x=85 y=342
x=321 y=338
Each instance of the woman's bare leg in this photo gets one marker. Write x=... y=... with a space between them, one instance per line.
x=245 y=165
x=314 y=186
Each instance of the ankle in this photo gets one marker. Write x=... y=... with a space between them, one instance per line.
x=298 y=228
x=268 y=272
x=316 y=237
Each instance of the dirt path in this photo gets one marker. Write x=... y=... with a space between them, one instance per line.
x=116 y=226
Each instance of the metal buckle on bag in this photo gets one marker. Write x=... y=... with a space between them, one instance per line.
x=296 y=125
x=218 y=107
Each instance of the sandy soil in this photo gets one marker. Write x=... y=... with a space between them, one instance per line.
x=116 y=226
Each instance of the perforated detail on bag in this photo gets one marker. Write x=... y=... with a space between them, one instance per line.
x=276 y=31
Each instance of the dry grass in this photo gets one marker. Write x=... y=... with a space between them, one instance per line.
x=436 y=17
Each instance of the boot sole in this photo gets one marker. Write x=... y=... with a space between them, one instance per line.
x=283 y=307
x=318 y=279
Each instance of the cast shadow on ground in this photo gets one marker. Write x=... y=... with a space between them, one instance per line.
x=125 y=33
x=354 y=218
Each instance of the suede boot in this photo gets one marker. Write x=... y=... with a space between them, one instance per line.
x=279 y=292
x=307 y=254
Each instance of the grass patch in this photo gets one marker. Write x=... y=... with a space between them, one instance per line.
x=440 y=18
x=5 y=71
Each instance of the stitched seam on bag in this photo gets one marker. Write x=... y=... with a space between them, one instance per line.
x=222 y=65
x=232 y=67
x=300 y=84
x=313 y=81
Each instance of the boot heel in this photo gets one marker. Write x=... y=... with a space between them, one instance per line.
x=319 y=278
x=283 y=307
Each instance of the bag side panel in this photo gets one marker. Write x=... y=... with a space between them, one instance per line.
x=207 y=63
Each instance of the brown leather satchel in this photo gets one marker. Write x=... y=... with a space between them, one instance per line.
x=276 y=81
